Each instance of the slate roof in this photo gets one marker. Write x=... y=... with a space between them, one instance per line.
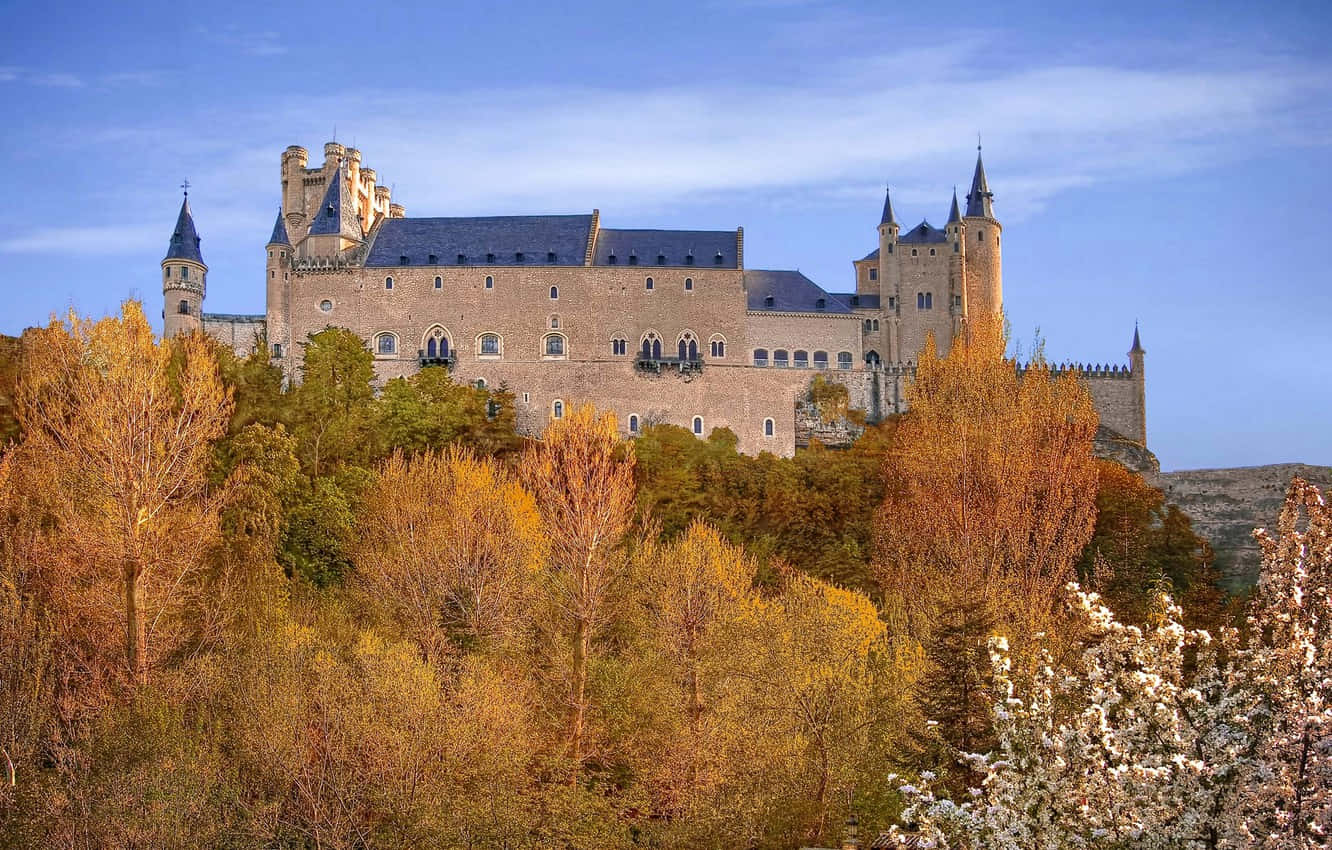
x=337 y=213
x=863 y=300
x=1137 y=343
x=674 y=245
x=791 y=292
x=279 y=236
x=923 y=233
x=475 y=237
x=184 y=243
x=872 y=255
x=980 y=196
x=954 y=215
x=888 y=216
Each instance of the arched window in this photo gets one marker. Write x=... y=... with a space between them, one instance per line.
x=876 y=324
x=439 y=282
x=554 y=322
x=843 y=360
x=801 y=359
x=554 y=345
x=437 y=343
x=687 y=347
x=769 y=427
x=820 y=360
x=388 y=282
x=554 y=293
x=647 y=284
x=651 y=346
x=872 y=359
x=717 y=347
x=490 y=282
x=619 y=346
x=868 y=327
x=386 y=344
x=183 y=308
x=689 y=284
x=760 y=357
x=698 y=426
x=633 y=423
x=780 y=359
x=557 y=409
x=924 y=300
x=489 y=345
x=479 y=383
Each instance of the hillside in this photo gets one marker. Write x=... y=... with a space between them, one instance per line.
x=1227 y=504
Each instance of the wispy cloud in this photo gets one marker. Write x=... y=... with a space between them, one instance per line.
x=250 y=42
x=102 y=241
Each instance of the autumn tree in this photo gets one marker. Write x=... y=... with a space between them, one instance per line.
x=581 y=476
x=125 y=435
x=450 y=546
x=332 y=412
x=430 y=410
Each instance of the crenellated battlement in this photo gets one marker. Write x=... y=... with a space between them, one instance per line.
x=1084 y=370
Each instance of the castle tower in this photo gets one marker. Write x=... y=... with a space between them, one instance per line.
x=890 y=281
x=983 y=290
x=335 y=226
x=183 y=277
x=294 y=159
x=956 y=269
x=1139 y=378
x=277 y=272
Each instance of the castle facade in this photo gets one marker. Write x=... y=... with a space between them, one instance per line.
x=656 y=325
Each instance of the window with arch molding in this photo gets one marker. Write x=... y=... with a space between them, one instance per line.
x=780 y=358
x=439 y=282
x=801 y=359
x=488 y=345
x=619 y=346
x=687 y=347
x=490 y=282
x=557 y=409
x=553 y=346
x=769 y=427
x=437 y=344
x=647 y=284
x=820 y=360
x=717 y=347
x=760 y=357
x=554 y=293
x=388 y=282
x=651 y=347
x=689 y=284
x=554 y=322
x=386 y=344
x=698 y=426
x=843 y=360
x=633 y=423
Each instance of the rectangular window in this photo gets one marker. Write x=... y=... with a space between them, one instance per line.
x=874 y=274
x=184 y=272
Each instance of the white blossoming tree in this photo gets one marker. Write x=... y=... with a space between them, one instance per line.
x=1166 y=737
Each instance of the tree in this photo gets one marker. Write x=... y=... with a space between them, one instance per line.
x=332 y=412
x=581 y=476
x=126 y=439
x=450 y=546
x=429 y=410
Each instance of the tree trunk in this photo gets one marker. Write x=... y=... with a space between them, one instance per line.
x=578 y=697
x=136 y=631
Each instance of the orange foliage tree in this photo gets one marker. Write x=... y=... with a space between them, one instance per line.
x=582 y=477
x=119 y=429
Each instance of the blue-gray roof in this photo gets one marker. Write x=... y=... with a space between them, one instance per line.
x=954 y=214
x=863 y=300
x=791 y=292
x=888 y=216
x=337 y=213
x=668 y=247
x=279 y=236
x=923 y=233
x=184 y=243
x=872 y=255
x=474 y=239
x=979 y=199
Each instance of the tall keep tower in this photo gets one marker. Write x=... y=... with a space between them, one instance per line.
x=278 y=272
x=183 y=277
x=980 y=247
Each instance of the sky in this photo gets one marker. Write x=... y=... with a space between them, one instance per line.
x=1168 y=164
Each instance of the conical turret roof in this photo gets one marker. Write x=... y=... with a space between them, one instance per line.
x=979 y=198
x=337 y=214
x=954 y=214
x=185 y=239
x=279 y=236
x=1137 y=343
x=888 y=216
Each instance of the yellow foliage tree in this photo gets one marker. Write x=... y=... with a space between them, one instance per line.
x=450 y=546
x=120 y=429
x=582 y=477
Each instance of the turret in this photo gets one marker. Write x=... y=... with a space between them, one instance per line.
x=982 y=263
x=1139 y=377
x=334 y=227
x=277 y=272
x=183 y=277
x=889 y=272
x=956 y=268
x=294 y=159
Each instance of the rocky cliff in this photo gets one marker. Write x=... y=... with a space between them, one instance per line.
x=1226 y=505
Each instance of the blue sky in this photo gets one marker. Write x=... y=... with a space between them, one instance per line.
x=1165 y=163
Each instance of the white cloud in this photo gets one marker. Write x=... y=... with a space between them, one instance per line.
x=105 y=240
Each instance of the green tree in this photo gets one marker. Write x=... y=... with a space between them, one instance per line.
x=332 y=410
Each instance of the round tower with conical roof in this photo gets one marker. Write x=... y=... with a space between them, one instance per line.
x=981 y=232
x=183 y=277
x=277 y=313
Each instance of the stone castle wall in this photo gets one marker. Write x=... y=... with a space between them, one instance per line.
x=239 y=333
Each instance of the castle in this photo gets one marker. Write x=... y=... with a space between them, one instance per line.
x=656 y=325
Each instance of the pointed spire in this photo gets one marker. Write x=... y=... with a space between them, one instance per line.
x=980 y=197
x=888 y=216
x=337 y=214
x=954 y=215
x=1137 y=343
x=185 y=239
x=279 y=236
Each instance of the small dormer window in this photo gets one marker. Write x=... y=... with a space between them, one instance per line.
x=550 y=256
x=611 y=258
x=633 y=259
x=768 y=301
x=689 y=258
x=402 y=260
x=821 y=304
x=661 y=259
x=855 y=300
x=462 y=259
x=433 y=260
x=490 y=257
x=517 y=256
x=718 y=260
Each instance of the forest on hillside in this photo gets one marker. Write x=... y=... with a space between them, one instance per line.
x=236 y=613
